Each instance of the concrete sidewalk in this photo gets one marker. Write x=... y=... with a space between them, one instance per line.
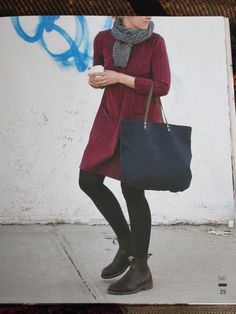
x=61 y=263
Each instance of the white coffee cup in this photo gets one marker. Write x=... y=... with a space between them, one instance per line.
x=96 y=69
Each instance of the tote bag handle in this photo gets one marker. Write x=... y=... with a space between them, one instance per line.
x=160 y=109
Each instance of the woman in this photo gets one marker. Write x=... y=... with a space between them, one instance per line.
x=133 y=57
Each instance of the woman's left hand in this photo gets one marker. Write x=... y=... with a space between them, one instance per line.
x=108 y=77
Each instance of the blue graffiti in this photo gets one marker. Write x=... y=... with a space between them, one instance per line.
x=79 y=52
x=108 y=23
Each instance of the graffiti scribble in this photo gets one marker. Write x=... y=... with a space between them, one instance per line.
x=79 y=52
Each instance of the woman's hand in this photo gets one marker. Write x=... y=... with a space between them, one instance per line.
x=108 y=77
x=93 y=82
x=102 y=79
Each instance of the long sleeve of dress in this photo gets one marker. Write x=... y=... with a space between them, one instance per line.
x=97 y=50
x=160 y=72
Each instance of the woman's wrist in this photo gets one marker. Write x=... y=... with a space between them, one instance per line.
x=126 y=79
x=120 y=78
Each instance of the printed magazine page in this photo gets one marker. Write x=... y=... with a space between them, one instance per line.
x=58 y=118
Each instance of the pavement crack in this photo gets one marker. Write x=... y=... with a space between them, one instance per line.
x=62 y=241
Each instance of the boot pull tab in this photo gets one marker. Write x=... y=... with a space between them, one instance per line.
x=130 y=258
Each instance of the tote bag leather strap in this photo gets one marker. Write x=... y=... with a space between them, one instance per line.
x=160 y=109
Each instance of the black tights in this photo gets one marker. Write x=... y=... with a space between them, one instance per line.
x=106 y=202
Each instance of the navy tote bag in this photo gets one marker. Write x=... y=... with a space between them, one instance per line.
x=155 y=156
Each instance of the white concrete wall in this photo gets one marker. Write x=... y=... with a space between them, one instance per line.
x=46 y=112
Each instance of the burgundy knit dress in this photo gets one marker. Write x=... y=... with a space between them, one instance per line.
x=148 y=62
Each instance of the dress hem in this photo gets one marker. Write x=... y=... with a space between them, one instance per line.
x=100 y=173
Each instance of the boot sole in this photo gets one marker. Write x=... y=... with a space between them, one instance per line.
x=115 y=275
x=147 y=286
